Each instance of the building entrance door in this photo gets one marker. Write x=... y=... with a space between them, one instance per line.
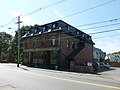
x=31 y=58
x=47 y=59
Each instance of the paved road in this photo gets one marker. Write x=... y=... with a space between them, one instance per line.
x=26 y=78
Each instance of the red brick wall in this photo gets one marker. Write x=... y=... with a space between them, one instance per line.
x=29 y=43
x=38 y=39
x=86 y=54
x=47 y=40
x=39 y=42
x=65 y=51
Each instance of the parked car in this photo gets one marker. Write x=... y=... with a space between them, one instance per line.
x=104 y=66
x=96 y=66
x=100 y=66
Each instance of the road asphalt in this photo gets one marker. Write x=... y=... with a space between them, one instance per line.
x=113 y=73
x=31 y=78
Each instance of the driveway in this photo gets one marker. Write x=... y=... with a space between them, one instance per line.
x=113 y=73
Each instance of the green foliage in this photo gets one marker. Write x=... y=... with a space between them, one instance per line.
x=9 y=44
x=117 y=52
x=14 y=51
x=5 y=43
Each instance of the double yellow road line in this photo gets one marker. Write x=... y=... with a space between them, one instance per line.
x=76 y=81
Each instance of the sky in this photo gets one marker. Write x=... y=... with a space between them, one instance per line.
x=74 y=12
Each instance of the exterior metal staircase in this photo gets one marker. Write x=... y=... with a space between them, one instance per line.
x=76 y=51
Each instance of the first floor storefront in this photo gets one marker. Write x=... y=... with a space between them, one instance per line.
x=45 y=59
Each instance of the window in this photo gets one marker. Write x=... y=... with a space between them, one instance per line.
x=68 y=28
x=54 y=25
x=53 y=41
x=89 y=38
x=35 y=31
x=43 y=42
x=44 y=29
x=83 y=35
x=60 y=27
x=34 y=44
x=25 y=45
x=78 y=33
x=73 y=44
x=68 y=43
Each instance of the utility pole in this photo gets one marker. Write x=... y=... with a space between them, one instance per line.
x=18 y=61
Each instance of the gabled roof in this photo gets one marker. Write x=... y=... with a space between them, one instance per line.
x=58 y=26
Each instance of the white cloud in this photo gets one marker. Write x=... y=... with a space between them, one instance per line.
x=27 y=20
x=108 y=45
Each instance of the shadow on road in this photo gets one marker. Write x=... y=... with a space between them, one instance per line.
x=99 y=71
x=24 y=68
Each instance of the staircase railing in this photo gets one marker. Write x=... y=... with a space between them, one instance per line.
x=76 y=51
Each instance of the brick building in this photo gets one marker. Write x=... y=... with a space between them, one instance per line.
x=56 y=44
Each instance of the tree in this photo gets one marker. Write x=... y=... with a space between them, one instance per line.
x=117 y=52
x=14 y=48
x=5 y=43
x=23 y=31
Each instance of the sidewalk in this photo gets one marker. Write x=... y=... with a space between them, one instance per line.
x=113 y=73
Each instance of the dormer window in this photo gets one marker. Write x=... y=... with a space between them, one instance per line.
x=68 y=28
x=78 y=33
x=54 y=25
x=44 y=29
x=89 y=38
x=35 y=30
x=60 y=28
x=83 y=35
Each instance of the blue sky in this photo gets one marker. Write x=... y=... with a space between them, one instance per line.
x=108 y=42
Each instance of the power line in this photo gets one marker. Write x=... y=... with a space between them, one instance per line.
x=111 y=20
x=88 y=9
x=101 y=26
x=107 y=36
x=45 y=7
x=11 y=21
x=105 y=31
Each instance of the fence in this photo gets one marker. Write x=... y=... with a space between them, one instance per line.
x=114 y=64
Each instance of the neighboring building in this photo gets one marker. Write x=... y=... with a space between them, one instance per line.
x=113 y=57
x=56 y=44
x=4 y=57
x=98 y=55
